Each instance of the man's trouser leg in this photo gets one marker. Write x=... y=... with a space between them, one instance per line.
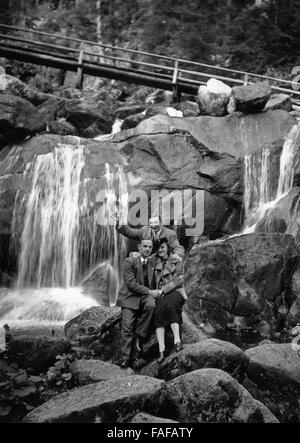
x=127 y=331
x=146 y=313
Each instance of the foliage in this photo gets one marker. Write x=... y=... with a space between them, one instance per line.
x=242 y=34
x=20 y=391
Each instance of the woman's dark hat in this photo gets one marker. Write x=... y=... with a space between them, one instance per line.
x=162 y=241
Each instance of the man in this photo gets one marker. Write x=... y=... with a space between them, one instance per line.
x=137 y=299
x=155 y=231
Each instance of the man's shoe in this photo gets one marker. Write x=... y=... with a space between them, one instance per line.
x=178 y=346
x=161 y=357
x=125 y=364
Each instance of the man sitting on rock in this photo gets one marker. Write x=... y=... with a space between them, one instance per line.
x=137 y=300
x=155 y=232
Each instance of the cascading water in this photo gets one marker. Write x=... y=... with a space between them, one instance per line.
x=60 y=243
x=49 y=242
x=257 y=198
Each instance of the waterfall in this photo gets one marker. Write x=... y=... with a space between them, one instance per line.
x=49 y=242
x=59 y=242
x=257 y=197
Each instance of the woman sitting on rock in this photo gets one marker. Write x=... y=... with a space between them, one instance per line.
x=169 y=277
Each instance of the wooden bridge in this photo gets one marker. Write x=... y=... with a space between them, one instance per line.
x=128 y=65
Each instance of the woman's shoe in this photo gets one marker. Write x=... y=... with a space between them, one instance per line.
x=161 y=357
x=178 y=346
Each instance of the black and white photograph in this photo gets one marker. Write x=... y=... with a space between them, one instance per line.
x=150 y=214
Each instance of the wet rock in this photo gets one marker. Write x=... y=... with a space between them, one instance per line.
x=61 y=127
x=18 y=118
x=252 y=98
x=279 y=101
x=91 y=321
x=37 y=352
x=93 y=371
x=142 y=417
x=110 y=401
x=274 y=374
x=205 y=354
x=242 y=276
x=213 y=396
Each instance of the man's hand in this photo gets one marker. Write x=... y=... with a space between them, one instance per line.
x=155 y=293
x=134 y=254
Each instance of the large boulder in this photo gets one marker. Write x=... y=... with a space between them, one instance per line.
x=234 y=135
x=213 y=98
x=274 y=374
x=210 y=353
x=243 y=276
x=213 y=396
x=109 y=401
x=93 y=371
x=252 y=98
x=13 y=86
x=91 y=322
x=18 y=118
x=107 y=346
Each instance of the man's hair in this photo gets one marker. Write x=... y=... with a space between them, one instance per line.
x=145 y=239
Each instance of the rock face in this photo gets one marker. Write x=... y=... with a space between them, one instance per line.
x=274 y=374
x=234 y=135
x=37 y=352
x=243 y=276
x=205 y=354
x=90 y=322
x=110 y=401
x=213 y=396
x=94 y=371
x=18 y=118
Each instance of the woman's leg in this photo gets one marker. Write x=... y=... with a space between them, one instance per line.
x=176 y=332
x=160 y=334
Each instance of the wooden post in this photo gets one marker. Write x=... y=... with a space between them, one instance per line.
x=246 y=79
x=79 y=76
x=175 y=88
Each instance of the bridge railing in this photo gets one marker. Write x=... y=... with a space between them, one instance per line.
x=174 y=69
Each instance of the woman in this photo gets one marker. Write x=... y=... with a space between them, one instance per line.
x=169 y=279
